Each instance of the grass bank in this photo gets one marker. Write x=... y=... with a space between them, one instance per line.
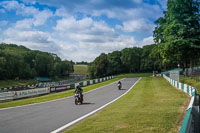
x=81 y=69
x=191 y=81
x=153 y=105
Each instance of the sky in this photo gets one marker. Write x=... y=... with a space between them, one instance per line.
x=79 y=30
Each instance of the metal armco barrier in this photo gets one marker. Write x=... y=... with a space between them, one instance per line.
x=4 y=96
x=191 y=122
x=29 y=93
x=17 y=94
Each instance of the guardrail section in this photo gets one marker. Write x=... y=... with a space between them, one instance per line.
x=191 y=122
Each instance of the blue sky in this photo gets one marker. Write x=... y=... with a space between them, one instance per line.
x=79 y=30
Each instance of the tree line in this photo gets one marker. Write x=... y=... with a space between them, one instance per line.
x=22 y=63
x=177 y=43
x=82 y=63
x=128 y=60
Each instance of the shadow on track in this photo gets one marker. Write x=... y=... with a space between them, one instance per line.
x=122 y=89
x=86 y=103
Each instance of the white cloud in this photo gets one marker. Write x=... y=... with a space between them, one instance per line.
x=147 y=41
x=144 y=11
x=25 y=24
x=10 y=5
x=62 y=12
x=19 y=7
x=135 y=19
x=28 y=36
x=93 y=35
x=139 y=25
x=39 y=17
x=22 y=33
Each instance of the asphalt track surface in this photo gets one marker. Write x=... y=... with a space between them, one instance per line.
x=49 y=116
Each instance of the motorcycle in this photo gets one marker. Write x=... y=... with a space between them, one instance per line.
x=78 y=98
x=119 y=86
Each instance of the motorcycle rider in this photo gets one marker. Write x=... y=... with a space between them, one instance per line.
x=119 y=83
x=79 y=90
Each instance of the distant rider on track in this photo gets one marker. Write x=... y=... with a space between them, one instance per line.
x=119 y=85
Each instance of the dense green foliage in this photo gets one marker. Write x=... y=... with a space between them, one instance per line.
x=23 y=63
x=129 y=60
x=178 y=33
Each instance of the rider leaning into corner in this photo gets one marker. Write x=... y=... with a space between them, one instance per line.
x=79 y=90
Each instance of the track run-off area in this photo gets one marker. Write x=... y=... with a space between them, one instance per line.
x=57 y=115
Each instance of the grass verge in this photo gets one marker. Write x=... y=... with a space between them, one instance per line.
x=191 y=81
x=52 y=96
x=134 y=75
x=153 y=105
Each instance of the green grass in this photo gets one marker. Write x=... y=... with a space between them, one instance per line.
x=152 y=106
x=10 y=83
x=134 y=75
x=191 y=81
x=52 y=96
x=81 y=69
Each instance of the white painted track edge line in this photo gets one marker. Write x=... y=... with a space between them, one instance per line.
x=57 y=99
x=94 y=111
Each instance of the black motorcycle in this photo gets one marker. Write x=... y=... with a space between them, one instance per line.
x=78 y=98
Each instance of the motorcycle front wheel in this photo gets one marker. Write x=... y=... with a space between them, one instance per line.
x=76 y=101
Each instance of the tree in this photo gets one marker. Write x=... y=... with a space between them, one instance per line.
x=179 y=32
x=114 y=63
x=98 y=68
x=147 y=62
x=2 y=67
x=131 y=59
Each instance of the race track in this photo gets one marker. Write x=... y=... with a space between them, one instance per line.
x=49 y=116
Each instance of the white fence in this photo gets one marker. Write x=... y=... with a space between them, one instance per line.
x=191 y=120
